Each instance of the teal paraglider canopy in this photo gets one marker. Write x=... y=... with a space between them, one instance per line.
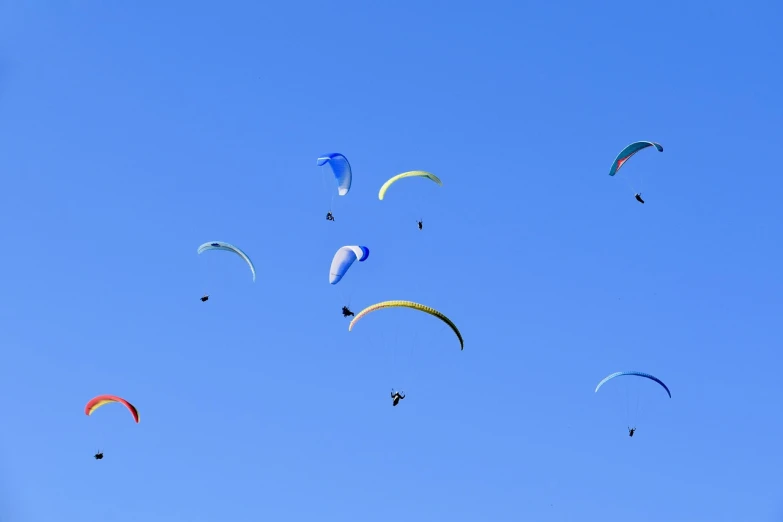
x=629 y=151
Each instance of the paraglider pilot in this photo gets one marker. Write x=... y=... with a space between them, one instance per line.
x=630 y=431
x=329 y=216
x=98 y=456
x=638 y=197
x=420 y=223
x=205 y=299
x=347 y=311
x=397 y=397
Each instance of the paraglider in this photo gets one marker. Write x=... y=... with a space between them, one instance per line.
x=102 y=400
x=409 y=174
x=415 y=306
x=608 y=378
x=626 y=154
x=342 y=175
x=397 y=397
x=343 y=259
x=220 y=245
x=204 y=298
x=420 y=223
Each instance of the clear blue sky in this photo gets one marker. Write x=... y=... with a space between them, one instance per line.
x=131 y=134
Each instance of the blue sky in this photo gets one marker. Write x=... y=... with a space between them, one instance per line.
x=131 y=134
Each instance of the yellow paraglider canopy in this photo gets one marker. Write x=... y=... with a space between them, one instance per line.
x=409 y=304
x=409 y=174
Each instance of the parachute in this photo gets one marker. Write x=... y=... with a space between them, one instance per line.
x=219 y=245
x=629 y=151
x=102 y=400
x=409 y=304
x=638 y=374
x=410 y=174
x=343 y=260
x=341 y=169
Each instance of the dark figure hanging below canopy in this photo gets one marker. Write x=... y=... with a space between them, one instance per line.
x=204 y=299
x=347 y=312
x=329 y=216
x=639 y=197
x=98 y=456
x=420 y=223
x=631 y=431
x=397 y=397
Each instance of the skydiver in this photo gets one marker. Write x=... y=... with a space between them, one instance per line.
x=396 y=397
x=638 y=197
x=329 y=216
x=98 y=456
x=347 y=311
x=630 y=431
x=205 y=299
x=420 y=223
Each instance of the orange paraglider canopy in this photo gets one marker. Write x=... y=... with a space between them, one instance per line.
x=100 y=400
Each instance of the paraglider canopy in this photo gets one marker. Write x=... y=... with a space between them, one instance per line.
x=341 y=169
x=220 y=245
x=102 y=400
x=343 y=259
x=629 y=151
x=409 y=174
x=414 y=306
x=637 y=374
